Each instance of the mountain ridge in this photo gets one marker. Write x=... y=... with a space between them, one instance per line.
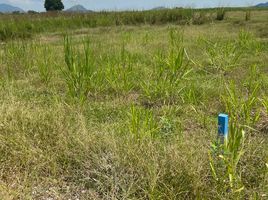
x=6 y=8
x=78 y=8
x=262 y=5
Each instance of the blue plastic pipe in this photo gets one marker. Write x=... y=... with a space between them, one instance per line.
x=223 y=121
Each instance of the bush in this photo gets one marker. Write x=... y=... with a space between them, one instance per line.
x=248 y=15
x=220 y=14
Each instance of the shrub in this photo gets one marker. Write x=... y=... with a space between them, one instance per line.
x=248 y=15
x=220 y=14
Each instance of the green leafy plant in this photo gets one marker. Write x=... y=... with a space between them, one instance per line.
x=142 y=123
x=222 y=55
x=79 y=69
x=171 y=71
x=247 y=42
x=17 y=57
x=240 y=108
x=224 y=160
x=119 y=78
x=44 y=65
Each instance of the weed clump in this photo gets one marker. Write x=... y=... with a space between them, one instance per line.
x=221 y=12
x=79 y=69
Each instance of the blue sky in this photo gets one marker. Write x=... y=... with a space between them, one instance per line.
x=131 y=4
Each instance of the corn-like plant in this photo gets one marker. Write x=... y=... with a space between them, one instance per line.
x=192 y=94
x=175 y=67
x=247 y=42
x=44 y=64
x=79 y=69
x=244 y=38
x=221 y=55
x=171 y=71
x=240 y=108
x=224 y=160
x=119 y=78
x=142 y=123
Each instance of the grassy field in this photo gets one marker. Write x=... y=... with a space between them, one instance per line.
x=130 y=111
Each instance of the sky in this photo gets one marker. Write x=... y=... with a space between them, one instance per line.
x=38 y=5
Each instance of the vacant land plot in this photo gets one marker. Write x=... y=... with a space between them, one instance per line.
x=130 y=112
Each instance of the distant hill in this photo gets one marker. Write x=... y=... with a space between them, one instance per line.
x=5 y=8
x=159 y=8
x=78 y=8
x=262 y=5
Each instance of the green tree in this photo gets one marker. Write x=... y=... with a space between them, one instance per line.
x=51 y=5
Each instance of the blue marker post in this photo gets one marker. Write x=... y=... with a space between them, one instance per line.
x=223 y=121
